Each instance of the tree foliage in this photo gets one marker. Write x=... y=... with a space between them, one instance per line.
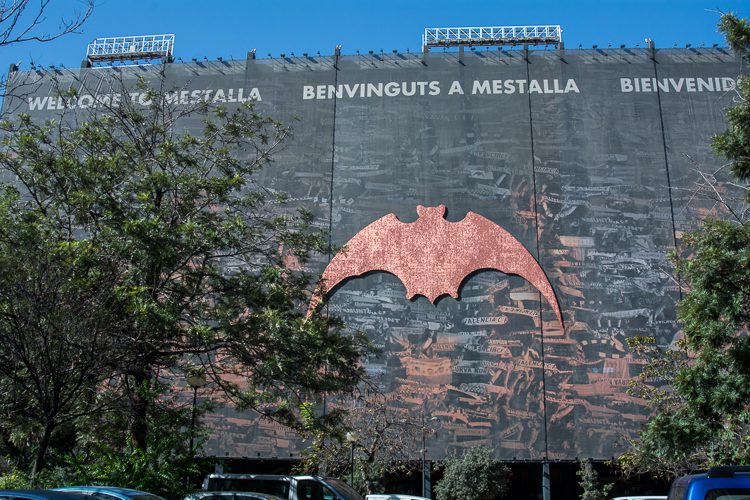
x=475 y=475
x=734 y=142
x=655 y=385
x=197 y=265
x=589 y=483
x=166 y=467
x=57 y=316
x=385 y=441
x=702 y=417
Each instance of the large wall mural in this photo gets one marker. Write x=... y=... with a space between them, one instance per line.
x=568 y=176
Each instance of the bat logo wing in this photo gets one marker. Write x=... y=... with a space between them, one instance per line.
x=432 y=256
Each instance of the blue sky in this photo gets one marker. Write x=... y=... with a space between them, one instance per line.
x=228 y=29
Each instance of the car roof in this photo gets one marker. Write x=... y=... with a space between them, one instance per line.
x=243 y=494
x=115 y=490
x=393 y=496
x=278 y=477
x=51 y=494
x=233 y=475
x=697 y=485
x=640 y=497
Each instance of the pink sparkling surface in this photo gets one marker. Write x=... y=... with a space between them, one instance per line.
x=432 y=256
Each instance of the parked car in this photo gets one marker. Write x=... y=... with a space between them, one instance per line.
x=39 y=495
x=643 y=497
x=719 y=483
x=109 y=493
x=394 y=496
x=285 y=487
x=230 y=495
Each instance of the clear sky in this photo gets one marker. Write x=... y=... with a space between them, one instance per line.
x=229 y=28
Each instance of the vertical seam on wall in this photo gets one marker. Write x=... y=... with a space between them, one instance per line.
x=330 y=185
x=333 y=157
x=666 y=164
x=538 y=254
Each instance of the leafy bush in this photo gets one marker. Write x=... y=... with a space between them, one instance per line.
x=589 y=482
x=159 y=471
x=14 y=479
x=476 y=475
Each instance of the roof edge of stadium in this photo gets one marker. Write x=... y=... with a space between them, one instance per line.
x=395 y=56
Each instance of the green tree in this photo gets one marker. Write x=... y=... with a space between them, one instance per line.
x=206 y=261
x=703 y=417
x=734 y=142
x=475 y=475
x=589 y=483
x=57 y=316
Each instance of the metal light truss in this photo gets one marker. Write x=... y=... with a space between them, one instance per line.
x=491 y=35
x=131 y=48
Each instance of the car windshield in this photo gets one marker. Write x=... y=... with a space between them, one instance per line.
x=343 y=488
x=729 y=494
x=276 y=487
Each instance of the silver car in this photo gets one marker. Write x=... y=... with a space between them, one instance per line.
x=230 y=495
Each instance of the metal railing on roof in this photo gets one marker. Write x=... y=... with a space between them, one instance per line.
x=130 y=48
x=492 y=35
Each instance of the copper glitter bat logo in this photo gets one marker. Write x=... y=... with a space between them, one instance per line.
x=432 y=256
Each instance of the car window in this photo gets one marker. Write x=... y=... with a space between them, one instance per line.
x=679 y=488
x=729 y=494
x=313 y=490
x=347 y=491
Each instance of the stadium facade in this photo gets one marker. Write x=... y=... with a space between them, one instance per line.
x=585 y=159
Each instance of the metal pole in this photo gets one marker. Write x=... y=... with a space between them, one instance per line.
x=424 y=452
x=545 y=481
x=192 y=419
x=351 y=472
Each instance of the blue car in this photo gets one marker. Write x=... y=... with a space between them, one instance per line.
x=38 y=495
x=719 y=483
x=109 y=493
